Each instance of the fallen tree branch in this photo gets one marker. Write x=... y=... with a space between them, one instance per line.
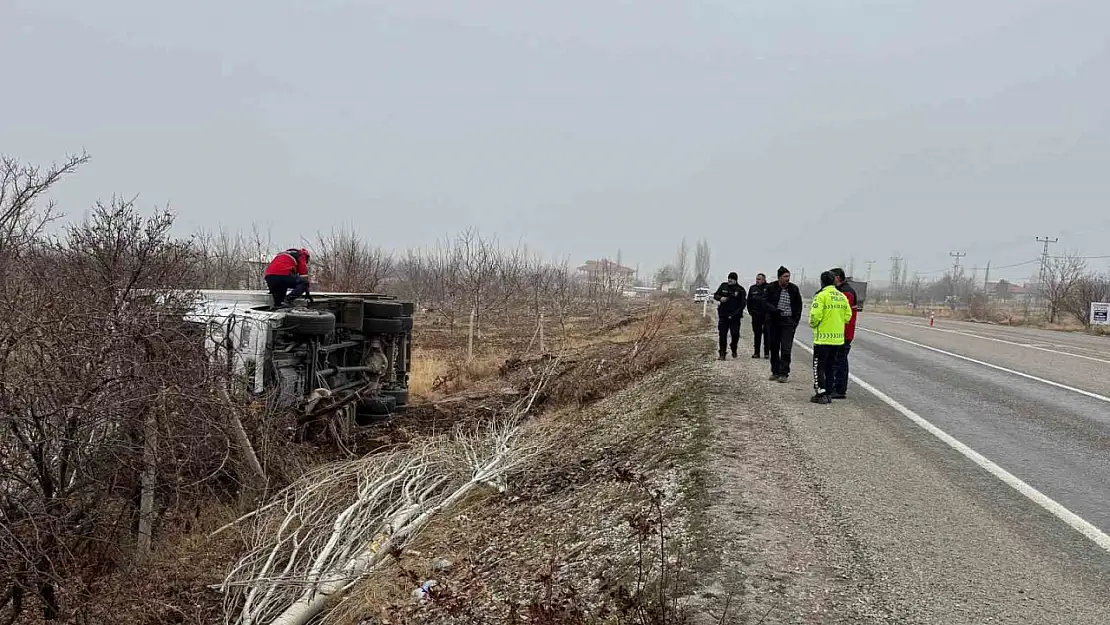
x=324 y=533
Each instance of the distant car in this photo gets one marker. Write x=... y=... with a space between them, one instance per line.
x=701 y=294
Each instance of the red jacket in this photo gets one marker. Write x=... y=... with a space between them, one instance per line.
x=850 y=329
x=289 y=263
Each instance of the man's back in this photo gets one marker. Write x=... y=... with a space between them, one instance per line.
x=829 y=315
x=850 y=294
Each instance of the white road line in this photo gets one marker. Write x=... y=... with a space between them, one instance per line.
x=1073 y=520
x=991 y=365
x=990 y=338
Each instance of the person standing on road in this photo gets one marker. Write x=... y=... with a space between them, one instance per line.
x=783 y=302
x=756 y=307
x=828 y=316
x=287 y=275
x=730 y=312
x=840 y=379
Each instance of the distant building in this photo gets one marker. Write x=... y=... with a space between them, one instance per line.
x=1008 y=290
x=607 y=274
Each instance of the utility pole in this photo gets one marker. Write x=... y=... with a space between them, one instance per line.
x=1044 y=258
x=987 y=278
x=896 y=280
x=956 y=271
x=956 y=263
x=869 y=264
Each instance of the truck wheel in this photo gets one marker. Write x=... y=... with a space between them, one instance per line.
x=371 y=409
x=400 y=397
x=309 y=322
x=382 y=310
x=373 y=325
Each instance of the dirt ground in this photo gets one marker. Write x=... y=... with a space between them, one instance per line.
x=576 y=538
x=788 y=553
x=749 y=533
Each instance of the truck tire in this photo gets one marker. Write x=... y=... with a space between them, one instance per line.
x=309 y=322
x=372 y=325
x=371 y=409
x=382 y=310
x=400 y=396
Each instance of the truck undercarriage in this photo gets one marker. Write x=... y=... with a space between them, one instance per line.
x=346 y=353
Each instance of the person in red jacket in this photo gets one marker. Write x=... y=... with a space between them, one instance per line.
x=840 y=373
x=287 y=275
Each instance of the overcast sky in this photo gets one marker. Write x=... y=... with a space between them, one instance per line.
x=789 y=132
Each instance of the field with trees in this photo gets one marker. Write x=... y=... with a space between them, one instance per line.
x=137 y=485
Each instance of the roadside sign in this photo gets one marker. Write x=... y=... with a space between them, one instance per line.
x=1100 y=313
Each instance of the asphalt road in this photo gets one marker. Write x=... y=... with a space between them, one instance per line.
x=1054 y=437
x=971 y=486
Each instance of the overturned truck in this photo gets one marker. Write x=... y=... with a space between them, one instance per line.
x=346 y=353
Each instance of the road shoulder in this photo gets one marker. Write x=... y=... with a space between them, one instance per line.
x=851 y=514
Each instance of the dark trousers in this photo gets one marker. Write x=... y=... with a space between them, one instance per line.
x=761 y=335
x=840 y=379
x=279 y=286
x=726 y=326
x=824 y=367
x=781 y=338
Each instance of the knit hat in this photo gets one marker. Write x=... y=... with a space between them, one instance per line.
x=783 y=270
x=732 y=276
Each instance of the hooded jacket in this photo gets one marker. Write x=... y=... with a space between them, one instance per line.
x=828 y=316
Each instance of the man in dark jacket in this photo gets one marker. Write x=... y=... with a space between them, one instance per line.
x=730 y=312
x=756 y=307
x=840 y=376
x=783 y=303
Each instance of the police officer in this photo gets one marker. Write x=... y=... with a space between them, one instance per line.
x=760 y=330
x=730 y=312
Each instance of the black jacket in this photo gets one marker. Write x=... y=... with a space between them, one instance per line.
x=757 y=293
x=734 y=306
x=771 y=302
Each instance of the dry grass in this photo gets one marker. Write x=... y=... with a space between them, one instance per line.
x=597 y=360
x=996 y=313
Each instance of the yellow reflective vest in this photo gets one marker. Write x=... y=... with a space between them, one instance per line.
x=828 y=315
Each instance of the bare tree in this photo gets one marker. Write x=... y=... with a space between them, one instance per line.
x=701 y=263
x=1061 y=277
x=346 y=262
x=666 y=275
x=1089 y=288
x=681 y=265
x=21 y=187
x=108 y=410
